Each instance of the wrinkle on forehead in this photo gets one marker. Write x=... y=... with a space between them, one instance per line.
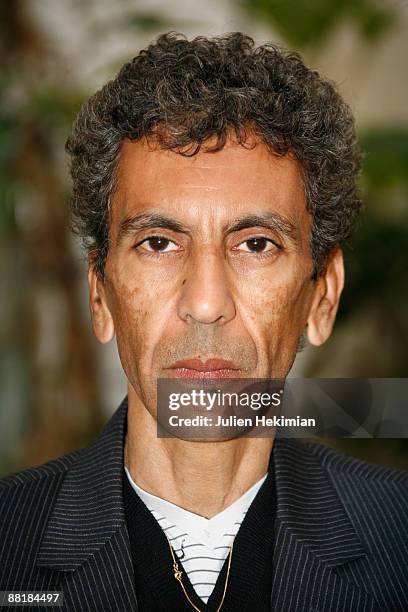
x=209 y=189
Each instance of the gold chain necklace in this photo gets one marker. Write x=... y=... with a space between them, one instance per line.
x=178 y=573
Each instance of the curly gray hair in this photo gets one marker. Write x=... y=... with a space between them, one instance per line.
x=184 y=93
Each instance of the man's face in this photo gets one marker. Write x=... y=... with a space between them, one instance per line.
x=209 y=259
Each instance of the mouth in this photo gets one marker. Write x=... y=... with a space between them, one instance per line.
x=209 y=369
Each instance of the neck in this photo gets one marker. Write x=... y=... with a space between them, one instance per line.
x=201 y=477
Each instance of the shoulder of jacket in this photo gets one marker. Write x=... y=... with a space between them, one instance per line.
x=50 y=470
x=335 y=461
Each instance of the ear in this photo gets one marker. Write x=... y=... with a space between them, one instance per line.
x=326 y=300
x=102 y=320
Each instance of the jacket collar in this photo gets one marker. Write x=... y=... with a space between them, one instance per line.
x=89 y=507
x=312 y=504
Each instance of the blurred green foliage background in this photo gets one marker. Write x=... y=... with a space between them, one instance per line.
x=52 y=389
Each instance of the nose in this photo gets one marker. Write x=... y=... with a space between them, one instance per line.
x=205 y=296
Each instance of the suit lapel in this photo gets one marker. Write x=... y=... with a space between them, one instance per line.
x=314 y=538
x=86 y=538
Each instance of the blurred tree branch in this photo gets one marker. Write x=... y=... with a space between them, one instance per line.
x=306 y=23
x=63 y=398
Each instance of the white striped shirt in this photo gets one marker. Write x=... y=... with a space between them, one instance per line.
x=202 y=544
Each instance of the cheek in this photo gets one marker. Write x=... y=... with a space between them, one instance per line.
x=279 y=312
x=276 y=295
x=133 y=312
x=277 y=316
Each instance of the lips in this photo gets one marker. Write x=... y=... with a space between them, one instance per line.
x=210 y=368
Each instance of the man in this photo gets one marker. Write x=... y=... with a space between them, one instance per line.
x=214 y=184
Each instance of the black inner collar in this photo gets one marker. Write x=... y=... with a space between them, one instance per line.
x=250 y=579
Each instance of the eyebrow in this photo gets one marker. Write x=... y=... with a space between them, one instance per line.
x=133 y=224
x=271 y=220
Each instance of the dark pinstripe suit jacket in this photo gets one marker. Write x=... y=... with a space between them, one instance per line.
x=341 y=530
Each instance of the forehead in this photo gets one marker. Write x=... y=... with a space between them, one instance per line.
x=233 y=181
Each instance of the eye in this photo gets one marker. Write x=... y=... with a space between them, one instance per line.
x=157 y=244
x=257 y=245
